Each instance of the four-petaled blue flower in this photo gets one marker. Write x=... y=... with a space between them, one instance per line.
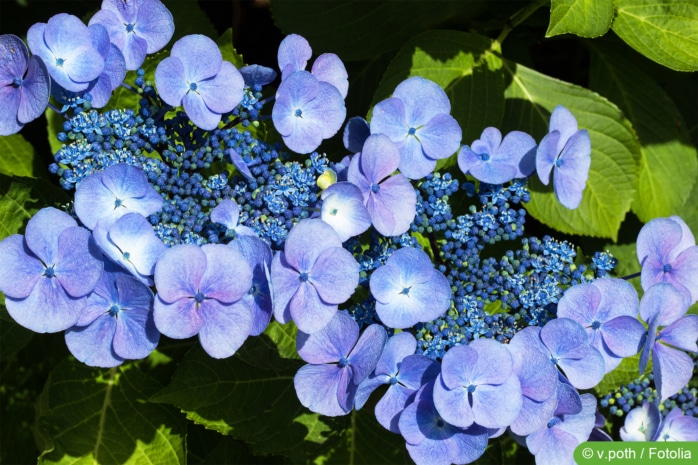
x=343 y=209
x=409 y=290
x=24 y=85
x=416 y=118
x=136 y=27
x=195 y=76
x=47 y=274
x=312 y=276
x=667 y=251
x=201 y=291
x=69 y=49
x=566 y=151
x=495 y=161
x=117 y=323
x=339 y=360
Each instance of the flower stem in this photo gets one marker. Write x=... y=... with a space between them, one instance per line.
x=519 y=17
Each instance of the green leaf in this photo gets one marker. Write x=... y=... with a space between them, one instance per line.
x=530 y=98
x=17 y=156
x=278 y=340
x=585 y=18
x=665 y=31
x=189 y=18
x=20 y=198
x=102 y=416
x=668 y=164
x=465 y=66
x=690 y=211
x=248 y=402
x=225 y=44
x=360 y=30
x=13 y=336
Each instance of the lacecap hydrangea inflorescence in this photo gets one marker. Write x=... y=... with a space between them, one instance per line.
x=187 y=222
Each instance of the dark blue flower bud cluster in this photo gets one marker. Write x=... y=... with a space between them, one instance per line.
x=620 y=401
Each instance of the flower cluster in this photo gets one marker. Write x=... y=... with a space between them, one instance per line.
x=188 y=223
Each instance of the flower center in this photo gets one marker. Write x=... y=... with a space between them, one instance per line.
x=118 y=203
x=553 y=421
x=59 y=62
x=114 y=310
x=484 y=156
x=392 y=380
x=558 y=162
x=199 y=297
x=130 y=27
x=375 y=188
x=411 y=131
x=298 y=113
x=303 y=277
x=554 y=360
x=126 y=256
x=440 y=423
x=405 y=291
x=192 y=86
x=595 y=324
x=343 y=362
x=17 y=82
x=666 y=268
x=49 y=272
x=333 y=212
x=471 y=388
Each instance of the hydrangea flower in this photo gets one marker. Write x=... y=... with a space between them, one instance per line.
x=200 y=291
x=112 y=75
x=607 y=309
x=293 y=55
x=307 y=111
x=136 y=27
x=24 y=85
x=566 y=151
x=390 y=200
x=404 y=372
x=662 y=306
x=343 y=209
x=195 y=76
x=567 y=345
x=430 y=440
x=355 y=134
x=417 y=119
x=312 y=276
x=668 y=253
x=110 y=194
x=495 y=161
x=564 y=432
x=69 y=51
x=477 y=384
x=677 y=427
x=339 y=360
x=258 y=254
x=641 y=423
x=256 y=75
x=409 y=290
x=47 y=273
x=116 y=324
x=538 y=378
x=131 y=242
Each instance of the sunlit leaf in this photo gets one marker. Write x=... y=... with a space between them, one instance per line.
x=585 y=18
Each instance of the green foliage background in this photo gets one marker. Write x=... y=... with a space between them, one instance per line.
x=625 y=68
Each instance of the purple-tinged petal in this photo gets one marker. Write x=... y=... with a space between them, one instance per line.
x=293 y=55
x=306 y=241
x=335 y=275
x=572 y=170
x=397 y=348
x=618 y=298
x=223 y=92
x=330 y=344
x=178 y=273
x=346 y=389
x=170 y=81
x=285 y=281
x=256 y=75
x=584 y=367
x=623 y=336
x=112 y=76
x=48 y=309
x=355 y=134
x=424 y=99
x=497 y=406
x=317 y=387
x=258 y=254
x=391 y=405
x=684 y=272
x=520 y=148
x=648 y=342
x=546 y=155
x=563 y=121
x=552 y=446
x=228 y=275
x=365 y=354
x=136 y=335
x=657 y=242
x=329 y=68
x=20 y=269
x=569 y=402
x=199 y=55
x=389 y=119
x=179 y=319
x=393 y=208
x=537 y=375
x=225 y=327
x=641 y=423
x=14 y=58
x=580 y=303
x=226 y=213
x=155 y=24
x=677 y=427
x=240 y=164
x=533 y=415
x=196 y=109
x=309 y=311
x=9 y=101
x=672 y=370
x=44 y=229
x=35 y=91
x=87 y=343
x=664 y=302
x=413 y=161
x=490 y=171
x=682 y=333
x=440 y=137
x=79 y=264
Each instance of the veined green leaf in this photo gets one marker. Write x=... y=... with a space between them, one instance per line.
x=585 y=18
x=665 y=31
x=668 y=164
x=16 y=156
x=103 y=416
x=465 y=66
x=624 y=373
x=530 y=99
